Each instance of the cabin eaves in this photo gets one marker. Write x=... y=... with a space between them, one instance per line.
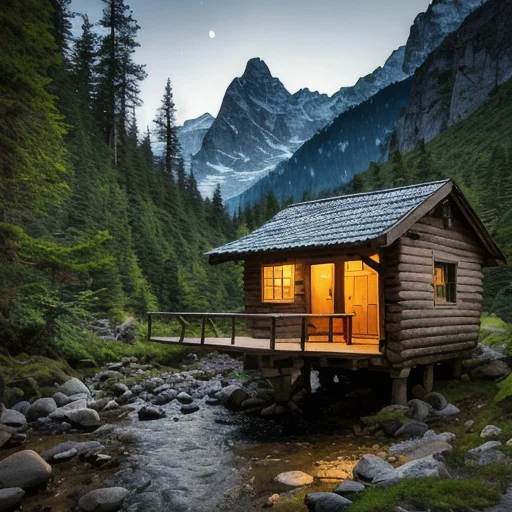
x=379 y=217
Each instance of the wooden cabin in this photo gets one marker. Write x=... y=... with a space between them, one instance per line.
x=384 y=280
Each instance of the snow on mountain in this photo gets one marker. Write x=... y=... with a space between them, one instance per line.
x=191 y=135
x=261 y=124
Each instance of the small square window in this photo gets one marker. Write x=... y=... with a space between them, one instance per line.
x=278 y=283
x=445 y=282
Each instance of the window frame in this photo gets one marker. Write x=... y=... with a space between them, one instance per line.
x=288 y=300
x=440 y=302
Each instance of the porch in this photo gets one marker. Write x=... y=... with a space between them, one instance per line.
x=336 y=340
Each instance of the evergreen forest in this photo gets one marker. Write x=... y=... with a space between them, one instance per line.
x=93 y=224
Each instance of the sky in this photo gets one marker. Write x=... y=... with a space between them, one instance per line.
x=202 y=45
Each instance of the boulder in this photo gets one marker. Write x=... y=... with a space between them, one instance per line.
x=22 y=407
x=294 y=478
x=68 y=454
x=61 y=399
x=436 y=400
x=13 y=418
x=412 y=429
x=233 y=396
x=24 y=469
x=10 y=497
x=74 y=386
x=492 y=370
x=84 y=417
x=373 y=469
x=419 y=410
x=490 y=431
x=326 y=502
x=41 y=408
x=150 y=412
x=189 y=408
x=390 y=427
x=103 y=500
x=349 y=487
x=422 y=468
x=4 y=438
x=119 y=388
x=445 y=412
x=166 y=396
x=485 y=454
x=184 y=398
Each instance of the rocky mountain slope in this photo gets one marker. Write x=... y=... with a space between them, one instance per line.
x=192 y=133
x=261 y=124
x=460 y=74
x=337 y=152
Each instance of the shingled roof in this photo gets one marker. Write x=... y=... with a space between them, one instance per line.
x=341 y=221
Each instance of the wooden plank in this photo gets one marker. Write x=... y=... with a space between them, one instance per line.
x=452 y=347
x=426 y=333
x=439 y=341
x=444 y=251
x=449 y=234
x=422 y=323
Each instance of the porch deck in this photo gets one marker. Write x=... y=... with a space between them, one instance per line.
x=336 y=344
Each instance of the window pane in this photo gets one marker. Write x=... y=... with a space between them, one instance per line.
x=268 y=272
x=278 y=283
x=445 y=281
x=268 y=293
x=278 y=271
x=278 y=293
x=287 y=271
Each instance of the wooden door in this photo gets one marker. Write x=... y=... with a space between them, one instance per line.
x=322 y=297
x=361 y=296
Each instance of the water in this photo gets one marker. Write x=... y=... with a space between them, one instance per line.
x=218 y=460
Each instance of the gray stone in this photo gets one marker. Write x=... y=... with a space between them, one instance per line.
x=85 y=448
x=184 y=398
x=41 y=408
x=349 y=487
x=252 y=403
x=373 y=469
x=4 y=438
x=485 y=454
x=166 y=396
x=111 y=404
x=449 y=410
x=119 y=388
x=68 y=454
x=326 y=502
x=22 y=407
x=160 y=389
x=13 y=418
x=274 y=410
x=233 y=396
x=189 y=408
x=430 y=444
x=150 y=412
x=74 y=386
x=412 y=429
x=490 y=431
x=436 y=400
x=422 y=468
x=84 y=417
x=103 y=500
x=468 y=425
x=10 y=497
x=419 y=410
x=24 y=469
x=492 y=370
x=294 y=478
x=61 y=399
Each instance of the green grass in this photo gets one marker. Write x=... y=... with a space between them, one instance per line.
x=493 y=321
x=439 y=495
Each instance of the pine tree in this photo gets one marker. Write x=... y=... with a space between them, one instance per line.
x=166 y=129
x=118 y=75
x=375 y=176
x=271 y=206
x=400 y=176
x=33 y=163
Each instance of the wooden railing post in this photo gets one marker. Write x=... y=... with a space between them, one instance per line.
x=150 y=318
x=233 y=327
x=349 y=329
x=273 y=334
x=203 y=329
x=330 y=329
x=183 y=328
x=303 y=334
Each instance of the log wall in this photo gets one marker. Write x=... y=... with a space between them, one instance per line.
x=419 y=330
x=286 y=328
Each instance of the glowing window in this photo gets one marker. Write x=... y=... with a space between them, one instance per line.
x=445 y=282
x=278 y=283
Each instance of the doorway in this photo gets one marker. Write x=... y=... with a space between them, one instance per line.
x=361 y=296
x=322 y=299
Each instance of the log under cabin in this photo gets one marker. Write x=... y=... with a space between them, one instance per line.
x=385 y=281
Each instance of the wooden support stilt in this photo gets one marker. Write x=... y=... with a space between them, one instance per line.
x=399 y=386
x=428 y=377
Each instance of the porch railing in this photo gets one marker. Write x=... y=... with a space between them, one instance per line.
x=273 y=319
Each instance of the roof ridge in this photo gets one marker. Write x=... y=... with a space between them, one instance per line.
x=372 y=192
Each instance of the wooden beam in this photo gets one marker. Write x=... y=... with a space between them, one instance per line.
x=372 y=264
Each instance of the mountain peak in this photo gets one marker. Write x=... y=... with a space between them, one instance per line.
x=257 y=68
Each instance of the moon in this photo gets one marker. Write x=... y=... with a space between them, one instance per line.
x=211 y=34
